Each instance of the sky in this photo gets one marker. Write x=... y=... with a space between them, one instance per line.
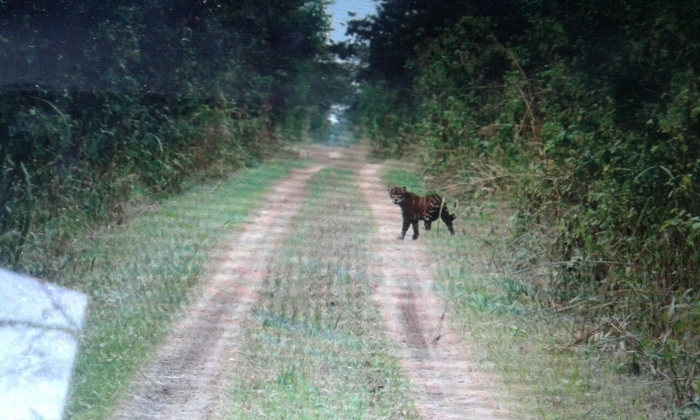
x=340 y=8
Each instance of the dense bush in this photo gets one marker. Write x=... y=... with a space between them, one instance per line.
x=592 y=110
x=102 y=100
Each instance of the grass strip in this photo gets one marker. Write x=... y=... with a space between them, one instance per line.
x=314 y=348
x=140 y=274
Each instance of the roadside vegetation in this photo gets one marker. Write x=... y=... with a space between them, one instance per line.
x=313 y=349
x=139 y=275
x=102 y=103
x=585 y=118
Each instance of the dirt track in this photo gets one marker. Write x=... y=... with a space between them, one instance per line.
x=444 y=382
x=185 y=379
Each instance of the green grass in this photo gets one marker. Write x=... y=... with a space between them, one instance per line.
x=411 y=180
x=139 y=275
x=525 y=346
x=313 y=349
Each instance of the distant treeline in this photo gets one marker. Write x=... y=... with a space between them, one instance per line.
x=101 y=100
x=591 y=109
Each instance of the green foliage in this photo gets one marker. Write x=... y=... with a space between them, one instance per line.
x=100 y=101
x=379 y=117
x=592 y=109
x=411 y=181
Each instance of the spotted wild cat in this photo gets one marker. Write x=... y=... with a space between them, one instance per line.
x=415 y=208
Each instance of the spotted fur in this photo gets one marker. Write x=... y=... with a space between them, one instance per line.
x=415 y=208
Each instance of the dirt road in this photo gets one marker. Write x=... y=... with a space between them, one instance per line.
x=186 y=378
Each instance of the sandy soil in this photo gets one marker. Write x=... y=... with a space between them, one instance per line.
x=186 y=377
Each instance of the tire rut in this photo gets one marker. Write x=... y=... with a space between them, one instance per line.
x=184 y=381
